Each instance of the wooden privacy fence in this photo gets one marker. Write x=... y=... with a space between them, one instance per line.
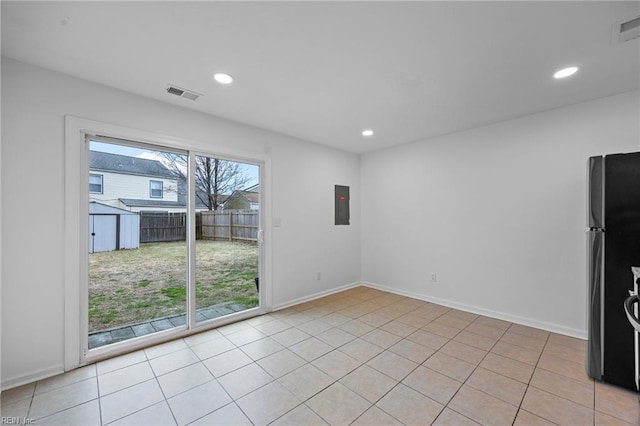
x=228 y=225
x=157 y=227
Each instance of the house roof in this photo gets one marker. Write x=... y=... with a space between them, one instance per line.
x=100 y=208
x=131 y=165
x=131 y=202
x=252 y=197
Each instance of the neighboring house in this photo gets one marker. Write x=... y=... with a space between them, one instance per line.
x=248 y=199
x=132 y=183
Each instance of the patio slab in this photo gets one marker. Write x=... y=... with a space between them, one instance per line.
x=106 y=337
x=142 y=329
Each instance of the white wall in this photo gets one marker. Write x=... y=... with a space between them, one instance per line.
x=34 y=103
x=498 y=213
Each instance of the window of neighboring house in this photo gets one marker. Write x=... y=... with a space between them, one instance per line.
x=155 y=189
x=95 y=184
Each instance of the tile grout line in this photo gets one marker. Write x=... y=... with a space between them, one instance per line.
x=593 y=408
x=127 y=387
x=99 y=396
x=535 y=367
x=155 y=376
x=57 y=389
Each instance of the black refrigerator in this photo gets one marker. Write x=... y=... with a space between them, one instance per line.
x=614 y=247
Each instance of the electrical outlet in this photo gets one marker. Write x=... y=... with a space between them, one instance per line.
x=434 y=277
x=319 y=276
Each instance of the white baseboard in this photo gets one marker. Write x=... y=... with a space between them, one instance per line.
x=314 y=296
x=31 y=377
x=555 y=328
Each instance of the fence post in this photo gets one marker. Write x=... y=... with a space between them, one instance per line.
x=230 y=225
x=198 y=225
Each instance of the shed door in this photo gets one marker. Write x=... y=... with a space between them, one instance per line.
x=102 y=233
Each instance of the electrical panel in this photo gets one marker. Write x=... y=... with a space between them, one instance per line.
x=341 y=199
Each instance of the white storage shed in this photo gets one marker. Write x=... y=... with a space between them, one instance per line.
x=111 y=228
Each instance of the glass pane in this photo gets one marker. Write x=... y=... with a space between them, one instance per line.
x=156 y=189
x=137 y=248
x=95 y=183
x=227 y=199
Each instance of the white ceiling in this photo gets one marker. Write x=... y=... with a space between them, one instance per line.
x=324 y=71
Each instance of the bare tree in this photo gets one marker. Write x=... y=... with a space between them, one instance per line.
x=215 y=179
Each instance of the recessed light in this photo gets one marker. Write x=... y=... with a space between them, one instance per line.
x=367 y=132
x=566 y=72
x=223 y=78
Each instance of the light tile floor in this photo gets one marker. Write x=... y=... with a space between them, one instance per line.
x=362 y=357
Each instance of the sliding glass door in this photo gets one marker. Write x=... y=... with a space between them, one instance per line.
x=137 y=283
x=227 y=204
x=173 y=241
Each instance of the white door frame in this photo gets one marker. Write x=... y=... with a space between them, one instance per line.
x=76 y=228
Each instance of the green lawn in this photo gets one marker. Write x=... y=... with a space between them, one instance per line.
x=133 y=286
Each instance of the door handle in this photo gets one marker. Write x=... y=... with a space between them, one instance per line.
x=260 y=236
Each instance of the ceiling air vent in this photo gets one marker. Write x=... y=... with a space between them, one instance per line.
x=626 y=30
x=183 y=93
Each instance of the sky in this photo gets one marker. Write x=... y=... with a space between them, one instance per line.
x=250 y=170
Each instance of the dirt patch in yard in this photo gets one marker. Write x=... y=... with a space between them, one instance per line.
x=133 y=286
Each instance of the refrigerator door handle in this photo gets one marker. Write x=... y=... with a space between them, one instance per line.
x=595 y=356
